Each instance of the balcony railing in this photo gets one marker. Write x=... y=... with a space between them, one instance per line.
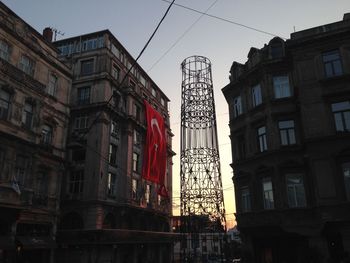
x=20 y=76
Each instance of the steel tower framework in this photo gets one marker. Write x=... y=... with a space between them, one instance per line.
x=202 y=201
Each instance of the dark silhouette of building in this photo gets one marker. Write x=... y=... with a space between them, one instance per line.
x=289 y=107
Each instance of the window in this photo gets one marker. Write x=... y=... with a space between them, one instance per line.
x=295 y=190
x=256 y=95
x=136 y=162
x=262 y=139
x=27 y=115
x=154 y=92
x=332 y=63
x=87 y=67
x=246 y=203
x=83 y=95
x=21 y=170
x=76 y=182
x=268 y=194
x=162 y=102
x=346 y=174
x=148 y=193
x=134 y=188
x=111 y=185
x=137 y=112
x=341 y=112
x=287 y=132
x=81 y=122
x=237 y=106
x=241 y=146
x=113 y=154
x=27 y=65
x=281 y=87
x=114 y=128
x=4 y=104
x=115 y=72
x=4 y=50
x=46 y=134
x=52 y=86
x=137 y=138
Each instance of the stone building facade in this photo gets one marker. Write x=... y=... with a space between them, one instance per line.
x=289 y=108
x=34 y=112
x=104 y=196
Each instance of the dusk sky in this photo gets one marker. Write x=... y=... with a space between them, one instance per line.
x=133 y=21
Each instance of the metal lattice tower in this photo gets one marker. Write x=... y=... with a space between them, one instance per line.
x=202 y=201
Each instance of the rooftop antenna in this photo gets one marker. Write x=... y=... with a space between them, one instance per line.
x=56 y=32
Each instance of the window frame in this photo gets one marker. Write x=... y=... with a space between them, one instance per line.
x=47 y=134
x=246 y=205
x=27 y=65
x=262 y=138
x=28 y=114
x=115 y=71
x=111 y=185
x=136 y=162
x=112 y=156
x=83 y=95
x=81 y=122
x=280 y=89
x=287 y=134
x=237 y=106
x=329 y=63
x=4 y=111
x=5 y=50
x=268 y=193
x=295 y=203
x=87 y=67
x=76 y=182
x=256 y=95
x=345 y=123
x=52 y=85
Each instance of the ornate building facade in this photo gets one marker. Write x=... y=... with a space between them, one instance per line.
x=104 y=196
x=34 y=115
x=289 y=107
x=73 y=128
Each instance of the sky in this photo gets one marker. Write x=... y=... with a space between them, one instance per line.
x=180 y=36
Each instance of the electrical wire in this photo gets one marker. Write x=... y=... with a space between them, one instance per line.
x=227 y=20
x=132 y=66
x=182 y=36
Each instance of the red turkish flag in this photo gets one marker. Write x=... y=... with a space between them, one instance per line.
x=154 y=160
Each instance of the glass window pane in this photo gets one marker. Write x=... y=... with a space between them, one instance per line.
x=338 y=122
x=291 y=136
x=347 y=120
x=341 y=106
x=284 y=139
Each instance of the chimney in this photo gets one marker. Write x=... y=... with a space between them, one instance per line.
x=346 y=16
x=47 y=34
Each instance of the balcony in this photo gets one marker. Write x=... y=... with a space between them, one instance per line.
x=21 y=77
